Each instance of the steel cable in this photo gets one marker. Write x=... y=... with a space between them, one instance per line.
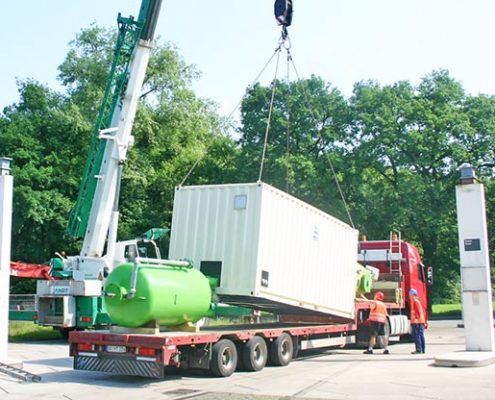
x=327 y=155
x=191 y=170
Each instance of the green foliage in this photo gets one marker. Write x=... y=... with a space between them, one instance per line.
x=395 y=150
x=22 y=285
x=411 y=142
x=41 y=134
x=85 y=69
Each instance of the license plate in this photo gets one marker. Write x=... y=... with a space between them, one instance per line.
x=60 y=290
x=116 y=349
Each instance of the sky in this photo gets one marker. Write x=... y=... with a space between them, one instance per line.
x=229 y=41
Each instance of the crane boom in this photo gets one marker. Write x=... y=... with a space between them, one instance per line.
x=95 y=215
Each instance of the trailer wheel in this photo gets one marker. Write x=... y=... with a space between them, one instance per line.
x=223 y=358
x=254 y=354
x=363 y=337
x=282 y=350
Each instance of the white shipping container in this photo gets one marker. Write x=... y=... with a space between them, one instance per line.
x=270 y=250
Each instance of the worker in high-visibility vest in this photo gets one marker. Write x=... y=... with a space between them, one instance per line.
x=377 y=321
x=418 y=322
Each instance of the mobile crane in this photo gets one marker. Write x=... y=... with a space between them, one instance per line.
x=75 y=300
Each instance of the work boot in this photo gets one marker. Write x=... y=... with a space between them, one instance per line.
x=368 y=351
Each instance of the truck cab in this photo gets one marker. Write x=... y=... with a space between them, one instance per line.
x=400 y=269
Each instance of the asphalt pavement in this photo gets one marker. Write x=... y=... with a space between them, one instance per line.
x=330 y=374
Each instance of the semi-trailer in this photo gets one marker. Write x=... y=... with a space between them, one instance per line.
x=149 y=351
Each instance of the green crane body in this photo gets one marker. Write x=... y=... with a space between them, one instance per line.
x=129 y=34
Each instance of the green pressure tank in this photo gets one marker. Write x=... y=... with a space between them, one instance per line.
x=364 y=280
x=168 y=294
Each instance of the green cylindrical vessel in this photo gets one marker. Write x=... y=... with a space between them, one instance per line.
x=364 y=280
x=170 y=295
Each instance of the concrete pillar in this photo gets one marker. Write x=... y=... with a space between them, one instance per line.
x=477 y=308
x=6 y=191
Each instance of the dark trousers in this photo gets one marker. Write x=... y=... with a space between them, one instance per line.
x=418 y=334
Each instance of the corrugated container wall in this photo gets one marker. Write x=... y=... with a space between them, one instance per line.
x=269 y=250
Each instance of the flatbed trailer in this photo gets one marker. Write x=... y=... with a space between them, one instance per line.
x=220 y=349
x=223 y=349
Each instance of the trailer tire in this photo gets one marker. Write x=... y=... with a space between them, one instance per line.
x=254 y=354
x=363 y=337
x=282 y=350
x=224 y=358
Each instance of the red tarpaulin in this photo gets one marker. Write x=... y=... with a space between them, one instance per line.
x=25 y=270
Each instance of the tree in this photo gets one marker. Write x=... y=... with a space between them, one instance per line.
x=408 y=142
x=42 y=133
x=46 y=133
x=172 y=126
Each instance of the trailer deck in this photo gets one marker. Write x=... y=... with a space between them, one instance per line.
x=149 y=354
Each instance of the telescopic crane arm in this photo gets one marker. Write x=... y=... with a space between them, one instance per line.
x=95 y=215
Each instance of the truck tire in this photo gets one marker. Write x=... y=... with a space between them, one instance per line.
x=406 y=338
x=281 y=350
x=254 y=354
x=223 y=358
x=380 y=339
x=64 y=332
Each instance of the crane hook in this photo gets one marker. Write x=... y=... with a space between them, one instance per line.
x=283 y=12
x=283 y=15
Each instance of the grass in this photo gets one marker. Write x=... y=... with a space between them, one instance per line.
x=448 y=310
x=22 y=331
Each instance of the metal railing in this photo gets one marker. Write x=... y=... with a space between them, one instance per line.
x=22 y=302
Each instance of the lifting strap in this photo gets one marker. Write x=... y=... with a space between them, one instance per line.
x=255 y=81
x=269 y=120
x=283 y=14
